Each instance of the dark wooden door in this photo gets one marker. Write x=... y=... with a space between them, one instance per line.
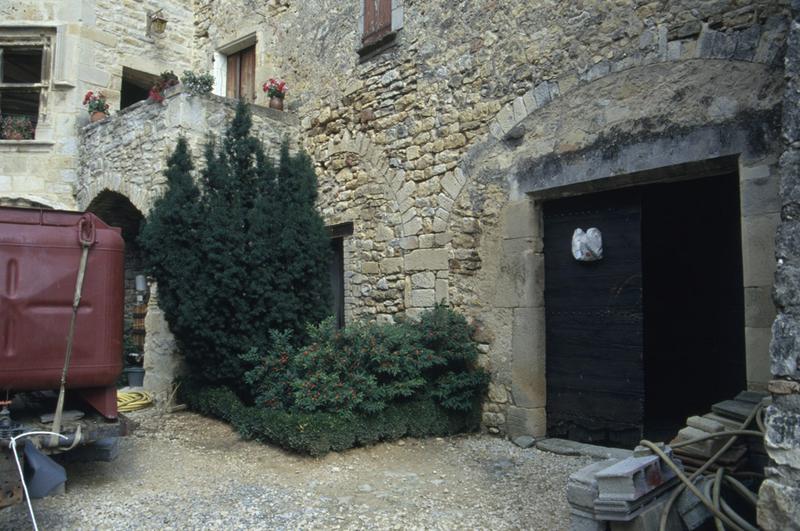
x=594 y=321
x=241 y=75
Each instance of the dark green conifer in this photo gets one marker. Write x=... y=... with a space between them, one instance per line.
x=254 y=248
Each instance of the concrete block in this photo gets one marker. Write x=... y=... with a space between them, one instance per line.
x=704 y=424
x=650 y=518
x=632 y=478
x=582 y=485
x=521 y=421
x=584 y=522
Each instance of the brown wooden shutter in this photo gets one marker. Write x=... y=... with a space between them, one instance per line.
x=247 y=77
x=232 y=87
x=377 y=20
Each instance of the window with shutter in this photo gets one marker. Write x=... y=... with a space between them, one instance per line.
x=380 y=20
x=377 y=20
x=241 y=75
x=25 y=60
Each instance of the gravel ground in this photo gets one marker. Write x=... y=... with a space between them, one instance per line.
x=184 y=471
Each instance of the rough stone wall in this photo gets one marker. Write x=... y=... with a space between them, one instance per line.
x=95 y=39
x=411 y=145
x=779 y=498
x=127 y=153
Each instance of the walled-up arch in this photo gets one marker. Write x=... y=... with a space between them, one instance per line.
x=700 y=106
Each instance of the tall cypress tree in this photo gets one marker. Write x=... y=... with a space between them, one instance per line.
x=254 y=252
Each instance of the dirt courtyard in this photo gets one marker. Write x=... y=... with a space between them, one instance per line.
x=184 y=471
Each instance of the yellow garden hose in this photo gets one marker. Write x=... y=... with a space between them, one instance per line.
x=128 y=401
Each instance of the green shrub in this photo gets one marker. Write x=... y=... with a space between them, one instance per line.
x=318 y=433
x=366 y=367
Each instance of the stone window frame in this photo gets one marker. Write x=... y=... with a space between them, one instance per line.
x=220 y=61
x=51 y=38
x=367 y=51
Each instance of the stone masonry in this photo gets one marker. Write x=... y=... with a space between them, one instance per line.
x=429 y=148
x=779 y=497
x=441 y=148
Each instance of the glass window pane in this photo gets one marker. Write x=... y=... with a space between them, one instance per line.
x=22 y=65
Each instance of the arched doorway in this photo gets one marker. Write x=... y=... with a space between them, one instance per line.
x=118 y=211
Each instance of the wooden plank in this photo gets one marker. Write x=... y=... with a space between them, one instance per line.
x=247 y=75
x=232 y=81
x=377 y=20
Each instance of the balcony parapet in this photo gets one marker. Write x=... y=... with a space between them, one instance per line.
x=127 y=152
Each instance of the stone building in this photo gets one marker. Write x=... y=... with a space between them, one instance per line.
x=458 y=145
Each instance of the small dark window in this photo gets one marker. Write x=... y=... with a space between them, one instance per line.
x=337 y=234
x=22 y=65
x=241 y=76
x=21 y=84
x=135 y=86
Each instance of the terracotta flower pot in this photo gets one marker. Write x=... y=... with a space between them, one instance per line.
x=15 y=136
x=96 y=116
x=276 y=103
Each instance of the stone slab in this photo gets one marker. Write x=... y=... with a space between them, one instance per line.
x=567 y=447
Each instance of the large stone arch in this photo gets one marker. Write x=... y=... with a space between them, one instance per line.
x=713 y=102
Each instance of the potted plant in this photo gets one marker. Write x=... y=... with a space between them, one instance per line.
x=276 y=90
x=197 y=83
x=16 y=127
x=165 y=80
x=96 y=105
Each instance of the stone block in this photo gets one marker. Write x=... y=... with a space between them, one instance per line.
x=521 y=421
x=518 y=220
x=785 y=347
x=524 y=441
x=409 y=242
x=424 y=280
x=426 y=260
x=778 y=505
x=423 y=298
x=520 y=278
x=787 y=241
x=391 y=265
x=787 y=286
x=528 y=383
x=370 y=268
x=757 y=343
x=442 y=291
x=759 y=310
x=451 y=185
x=758 y=249
x=760 y=195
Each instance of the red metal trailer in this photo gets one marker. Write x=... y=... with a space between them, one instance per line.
x=39 y=256
x=40 y=253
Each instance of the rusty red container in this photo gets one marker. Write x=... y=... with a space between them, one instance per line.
x=40 y=252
